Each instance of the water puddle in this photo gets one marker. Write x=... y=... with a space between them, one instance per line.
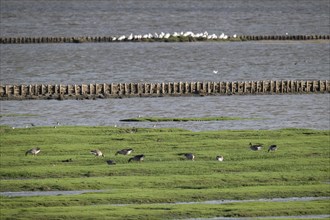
x=290 y=199
x=265 y=217
x=219 y=202
x=46 y=193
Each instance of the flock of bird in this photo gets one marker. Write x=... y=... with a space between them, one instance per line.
x=257 y=147
x=163 y=35
x=140 y=157
x=126 y=151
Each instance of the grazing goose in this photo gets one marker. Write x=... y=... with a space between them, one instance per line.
x=219 y=158
x=125 y=151
x=97 y=153
x=67 y=160
x=33 y=151
x=111 y=162
x=255 y=147
x=189 y=156
x=138 y=158
x=272 y=148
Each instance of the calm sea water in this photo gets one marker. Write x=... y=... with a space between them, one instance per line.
x=163 y=62
x=166 y=62
x=275 y=112
x=112 y=17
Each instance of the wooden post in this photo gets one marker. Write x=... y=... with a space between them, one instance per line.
x=263 y=86
x=175 y=88
x=320 y=86
x=14 y=88
x=299 y=86
x=36 y=93
x=91 y=89
x=60 y=92
x=17 y=90
x=271 y=87
x=105 y=90
x=119 y=89
x=42 y=89
x=151 y=85
x=75 y=89
x=208 y=88
x=169 y=88
x=302 y=86
x=138 y=89
x=192 y=88
x=111 y=89
x=30 y=90
x=145 y=88
x=96 y=89
x=227 y=87
x=157 y=88
x=252 y=88
x=313 y=86
x=49 y=89
x=291 y=86
x=326 y=86
x=7 y=91
x=69 y=93
x=22 y=90
x=83 y=89
x=198 y=87
x=307 y=87
x=257 y=87
x=123 y=88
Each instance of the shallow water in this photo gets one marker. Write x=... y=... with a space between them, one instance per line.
x=46 y=193
x=266 y=217
x=272 y=112
x=290 y=199
x=225 y=201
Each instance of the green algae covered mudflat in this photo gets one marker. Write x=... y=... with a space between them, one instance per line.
x=165 y=185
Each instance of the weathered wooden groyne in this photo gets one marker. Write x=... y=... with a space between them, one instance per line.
x=100 y=39
x=121 y=90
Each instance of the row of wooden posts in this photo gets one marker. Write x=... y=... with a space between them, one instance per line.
x=27 y=40
x=121 y=90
